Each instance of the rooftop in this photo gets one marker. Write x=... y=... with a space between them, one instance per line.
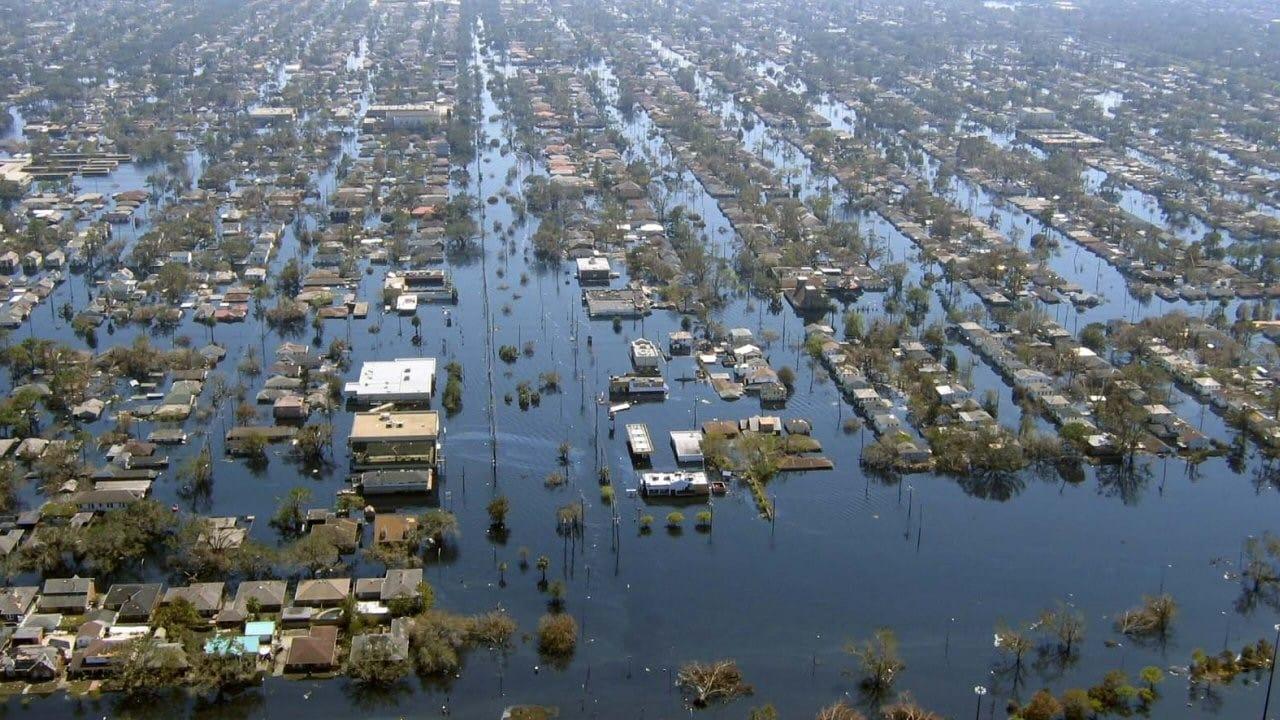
x=389 y=426
x=400 y=379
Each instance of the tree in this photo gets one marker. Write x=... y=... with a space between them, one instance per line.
x=498 y=508
x=289 y=281
x=122 y=537
x=148 y=667
x=556 y=590
x=543 y=563
x=1043 y=706
x=787 y=377
x=1151 y=676
x=557 y=635
x=223 y=672
x=378 y=663
x=1066 y=625
x=179 y=620
x=315 y=551
x=314 y=441
x=197 y=472
x=759 y=453
x=839 y=710
x=1013 y=643
x=1153 y=618
x=878 y=660
x=1076 y=705
x=706 y=683
x=907 y=709
x=437 y=525
x=289 y=516
x=1113 y=695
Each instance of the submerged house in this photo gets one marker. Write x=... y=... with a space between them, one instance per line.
x=674 y=484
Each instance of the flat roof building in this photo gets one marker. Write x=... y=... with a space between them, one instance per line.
x=593 y=269
x=389 y=439
x=400 y=380
x=687 y=445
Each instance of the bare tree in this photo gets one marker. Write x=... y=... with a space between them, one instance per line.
x=707 y=683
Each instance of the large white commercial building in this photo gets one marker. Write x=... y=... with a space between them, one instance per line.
x=402 y=380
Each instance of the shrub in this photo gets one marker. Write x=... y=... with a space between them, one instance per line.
x=557 y=635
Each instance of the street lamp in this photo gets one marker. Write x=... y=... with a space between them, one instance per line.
x=979 y=691
x=1266 y=705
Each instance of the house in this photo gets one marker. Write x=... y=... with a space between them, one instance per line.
x=395 y=644
x=674 y=484
x=367 y=589
x=414 y=115
x=401 y=584
x=1206 y=386
x=322 y=593
x=394 y=482
x=104 y=500
x=743 y=353
x=16 y=602
x=97 y=657
x=206 y=597
x=975 y=419
x=405 y=380
x=680 y=342
x=687 y=445
x=290 y=407
x=89 y=410
x=67 y=595
x=645 y=355
x=912 y=454
x=394 y=439
x=34 y=663
x=393 y=528
x=773 y=392
x=951 y=394
x=343 y=533
x=133 y=602
x=314 y=652
x=268 y=594
x=594 y=270
x=264 y=116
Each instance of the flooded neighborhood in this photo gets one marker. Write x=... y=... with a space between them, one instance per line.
x=884 y=360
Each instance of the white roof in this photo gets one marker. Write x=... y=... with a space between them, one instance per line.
x=687 y=444
x=401 y=379
x=654 y=480
x=598 y=262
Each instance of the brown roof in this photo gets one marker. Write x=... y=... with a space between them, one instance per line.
x=315 y=651
x=322 y=592
x=393 y=527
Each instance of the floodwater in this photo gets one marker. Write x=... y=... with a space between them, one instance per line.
x=940 y=560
